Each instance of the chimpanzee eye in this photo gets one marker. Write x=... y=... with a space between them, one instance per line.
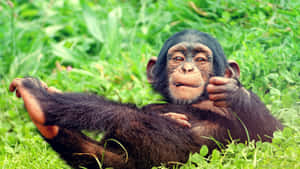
x=178 y=58
x=200 y=59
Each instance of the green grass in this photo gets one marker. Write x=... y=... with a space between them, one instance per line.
x=108 y=43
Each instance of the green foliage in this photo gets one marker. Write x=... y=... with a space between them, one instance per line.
x=108 y=43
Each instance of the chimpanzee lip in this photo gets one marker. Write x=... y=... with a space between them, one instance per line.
x=180 y=84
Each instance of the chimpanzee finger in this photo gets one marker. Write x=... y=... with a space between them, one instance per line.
x=14 y=84
x=53 y=90
x=219 y=80
x=216 y=97
x=215 y=89
x=176 y=115
x=181 y=119
x=183 y=123
x=49 y=89
x=44 y=85
x=18 y=94
x=222 y=103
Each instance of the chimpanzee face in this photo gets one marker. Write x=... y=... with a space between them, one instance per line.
x=189 y=66
x=186 y=61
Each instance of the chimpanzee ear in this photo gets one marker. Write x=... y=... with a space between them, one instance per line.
x=150 y=68
x=233 y=70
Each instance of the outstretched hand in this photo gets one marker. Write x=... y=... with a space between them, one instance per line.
x=220 y=90
x=33 y=107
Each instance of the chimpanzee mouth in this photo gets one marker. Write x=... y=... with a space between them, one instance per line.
x=178 y=84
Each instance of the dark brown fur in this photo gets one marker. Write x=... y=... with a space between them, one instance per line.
x=149 y=138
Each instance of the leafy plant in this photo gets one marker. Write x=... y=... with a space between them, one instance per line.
x=103 y=47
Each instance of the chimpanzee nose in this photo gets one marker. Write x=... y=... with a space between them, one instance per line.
x=187 y=67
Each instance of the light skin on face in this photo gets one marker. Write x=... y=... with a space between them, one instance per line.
x=189 y=67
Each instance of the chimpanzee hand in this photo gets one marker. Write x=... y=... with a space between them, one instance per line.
x=221 y=90
x=181 y=119
x=33 y=107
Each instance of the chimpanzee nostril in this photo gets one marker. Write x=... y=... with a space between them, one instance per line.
x=187 y=67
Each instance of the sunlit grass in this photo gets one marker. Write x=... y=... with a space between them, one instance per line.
x=108 y=43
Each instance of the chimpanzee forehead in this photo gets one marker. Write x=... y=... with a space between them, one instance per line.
x=192 y=37
x=189 y=37
x=190 y=46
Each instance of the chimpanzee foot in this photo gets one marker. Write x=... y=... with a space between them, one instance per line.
x=33 y=107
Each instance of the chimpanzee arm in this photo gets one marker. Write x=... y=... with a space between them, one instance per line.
x=254 y=114
x=245 y=106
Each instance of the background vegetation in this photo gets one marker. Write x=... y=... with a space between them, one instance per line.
x=103 y=47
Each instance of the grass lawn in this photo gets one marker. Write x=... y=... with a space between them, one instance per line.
x=107 y=44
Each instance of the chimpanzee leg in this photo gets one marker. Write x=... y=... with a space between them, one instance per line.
x=79 y=150
x=73 y=146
